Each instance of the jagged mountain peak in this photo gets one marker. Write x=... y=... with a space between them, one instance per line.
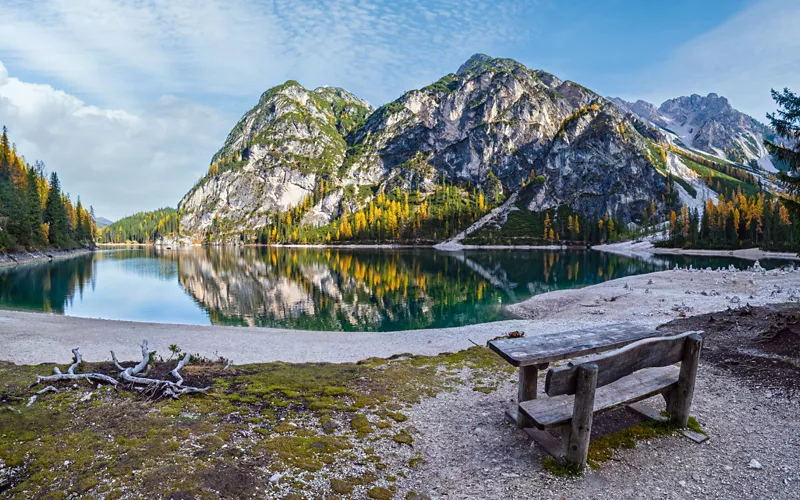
x=480 y=63
x=709 y=124
x=333 y=94
x=473 y=61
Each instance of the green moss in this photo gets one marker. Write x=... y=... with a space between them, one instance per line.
x=403 y=437
x=379 y=493
x=560 y=468
x=485 y=389
x=602 y=449
x=397 y=416
x=341 y=486
x=147 y=447
x=285 y=427
x=361 y=425
x=413 y=462
x=413 y=495
x=694 y=425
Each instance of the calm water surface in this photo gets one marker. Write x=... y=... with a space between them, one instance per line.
x=316 y=289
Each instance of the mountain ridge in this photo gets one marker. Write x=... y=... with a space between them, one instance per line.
x=709 y=124
x=493 y=128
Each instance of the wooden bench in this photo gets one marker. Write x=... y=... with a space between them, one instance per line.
x=584 y=386
x=536 y=352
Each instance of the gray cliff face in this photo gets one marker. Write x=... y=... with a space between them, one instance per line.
x=707 y=123
x=273 y=158
x=494 y=124
x=497 y=119
x=595 y=166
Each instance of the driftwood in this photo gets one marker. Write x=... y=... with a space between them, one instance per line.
x=71 y=375
x=150 y=387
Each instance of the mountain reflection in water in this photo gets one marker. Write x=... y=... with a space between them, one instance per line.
x=313 y=288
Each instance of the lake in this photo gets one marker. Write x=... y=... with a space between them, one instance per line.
x=314 y=288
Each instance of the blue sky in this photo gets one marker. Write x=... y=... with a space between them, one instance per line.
x=129 y=99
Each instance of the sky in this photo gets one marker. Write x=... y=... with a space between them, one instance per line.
x=128 y=99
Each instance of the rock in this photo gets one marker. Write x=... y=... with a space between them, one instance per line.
x=275 y=477
x=754 y=464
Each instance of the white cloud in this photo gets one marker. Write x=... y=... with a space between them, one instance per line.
x=742 y=58
x=119 y=161
x=114 y=49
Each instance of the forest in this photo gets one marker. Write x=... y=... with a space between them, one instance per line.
x=143 y=227
x=34 y=213
x=745 y=215
x=393 y=216
x=739 y=222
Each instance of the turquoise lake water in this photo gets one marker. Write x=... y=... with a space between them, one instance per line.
x=314 y=288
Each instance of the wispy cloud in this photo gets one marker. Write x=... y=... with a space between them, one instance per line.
x=110 y=49
x=753 y=51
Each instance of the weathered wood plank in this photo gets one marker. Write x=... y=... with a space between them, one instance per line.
x=551 y=411
x=694 y=436
x=551 y=444
x=526 y=390
x=646 y=353
x=646 y=412
x=680 y=401
x=544 y=348
x=582 y=412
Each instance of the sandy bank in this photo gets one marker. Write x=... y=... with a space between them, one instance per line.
x=20 y=258
x=646 y=248
x=649 y=299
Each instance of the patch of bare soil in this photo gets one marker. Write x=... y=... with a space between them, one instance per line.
x=759 y=345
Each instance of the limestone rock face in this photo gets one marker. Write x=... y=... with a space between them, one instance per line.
x=494 y=124
x=273 y=158
x=709 y=124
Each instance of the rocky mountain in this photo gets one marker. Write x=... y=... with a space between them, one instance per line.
x=709 y=124
x=494 y=125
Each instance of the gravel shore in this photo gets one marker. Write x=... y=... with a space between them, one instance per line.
x=470 y=452
x=20 y=258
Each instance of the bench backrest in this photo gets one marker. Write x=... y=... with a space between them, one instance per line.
x=613 y=365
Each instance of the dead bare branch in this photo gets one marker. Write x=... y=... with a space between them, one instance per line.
x=71 y=375
x=149 y=387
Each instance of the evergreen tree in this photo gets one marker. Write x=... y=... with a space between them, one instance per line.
x=5 y=156
x=786 y=122
x=33 y=209
x=55 y=215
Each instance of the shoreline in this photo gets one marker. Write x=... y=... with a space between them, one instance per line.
x=647 y=299
x=24 y=258
x=647 y=249
x=625 y=249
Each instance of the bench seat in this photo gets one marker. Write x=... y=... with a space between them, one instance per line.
x=557 y=410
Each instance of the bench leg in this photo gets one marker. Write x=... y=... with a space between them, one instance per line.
x=581 y=426
x=526 y=390
x=679 y=399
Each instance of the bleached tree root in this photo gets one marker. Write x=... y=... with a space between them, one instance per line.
x=33 y=398
x=154 y=388
x=71 y=375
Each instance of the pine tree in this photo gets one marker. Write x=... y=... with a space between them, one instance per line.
x=55 y=215
x=33 y=209
x=786 y=122
x=5 y=156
